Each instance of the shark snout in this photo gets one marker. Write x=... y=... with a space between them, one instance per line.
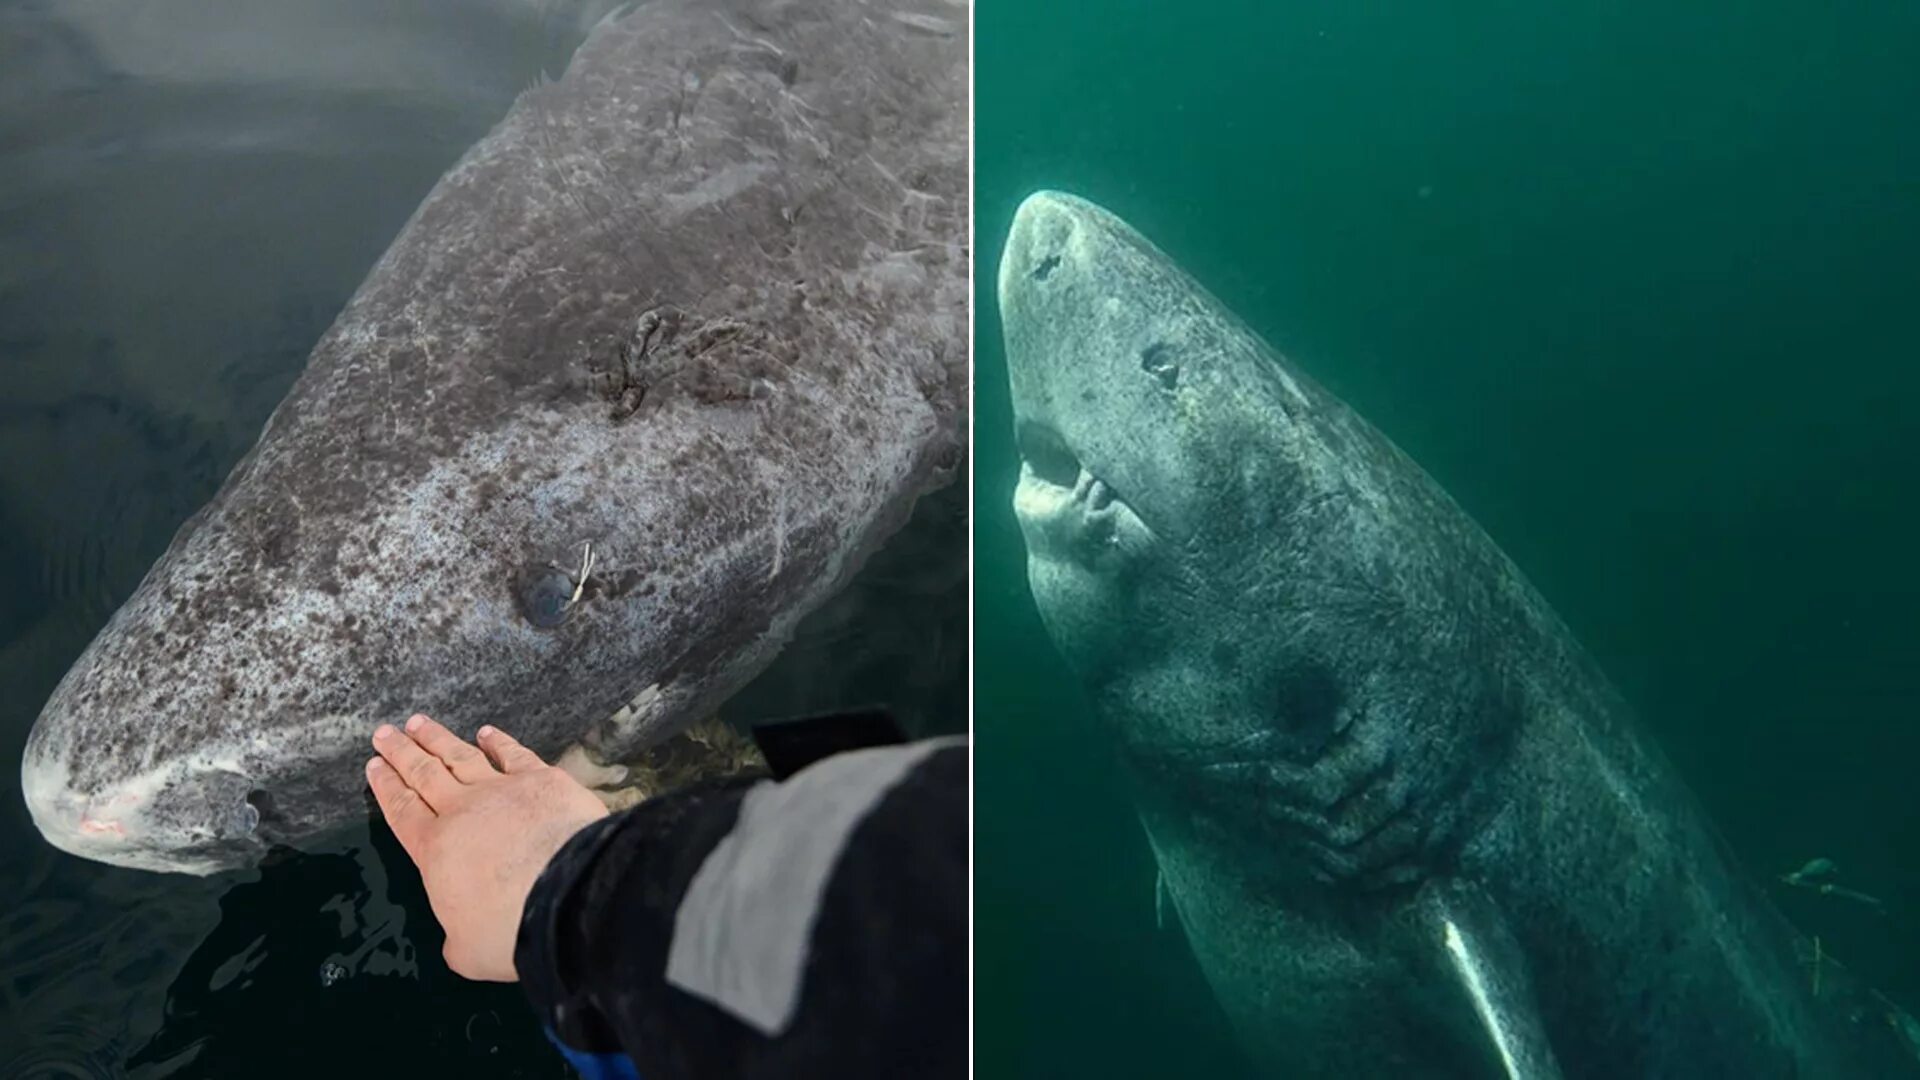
x=1039 y=243
x=191 y=822
x=1099 y=364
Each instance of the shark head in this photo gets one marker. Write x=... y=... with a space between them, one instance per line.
x=1267 y=602
x=577 y=475
x=1157 y=466
x=227 y=707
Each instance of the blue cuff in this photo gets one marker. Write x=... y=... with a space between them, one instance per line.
x=612 y=1066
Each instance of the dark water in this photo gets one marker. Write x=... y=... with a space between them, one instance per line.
x=1636 y=282
x=189 y=192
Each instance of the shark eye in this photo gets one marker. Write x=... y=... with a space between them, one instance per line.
x=1157 y=361
x=545 y=594
x=1308 y=705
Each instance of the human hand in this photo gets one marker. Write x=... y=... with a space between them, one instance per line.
x=480 y=835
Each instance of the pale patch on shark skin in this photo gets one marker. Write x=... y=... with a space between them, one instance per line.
x=779 y=534
x=931 y=24
x=717 y=188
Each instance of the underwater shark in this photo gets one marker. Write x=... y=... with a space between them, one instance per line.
x=646 y=377
x=1408 y=826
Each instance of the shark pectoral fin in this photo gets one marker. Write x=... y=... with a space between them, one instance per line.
x=1904 y=1026
x=1159 y=899
x=1162 y=892
x=1491 y=971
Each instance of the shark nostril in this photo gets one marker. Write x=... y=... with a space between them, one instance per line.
x=260 y=805
x=246 y=818
x=1046 y=453
x=1044 y=269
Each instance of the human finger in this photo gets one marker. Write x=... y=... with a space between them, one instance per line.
x=466 y=764
x=407 y=814
x=420 y=770
x=507 y=753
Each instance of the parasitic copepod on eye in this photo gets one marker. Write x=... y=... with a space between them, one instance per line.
x=546 y=593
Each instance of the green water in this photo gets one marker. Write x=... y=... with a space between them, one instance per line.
x=1636 y=282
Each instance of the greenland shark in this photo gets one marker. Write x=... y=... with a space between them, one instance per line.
x=1407 y=825
x=646 y=377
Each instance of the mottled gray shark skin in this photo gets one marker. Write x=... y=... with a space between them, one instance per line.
x=1408 y=827
x=645 y=378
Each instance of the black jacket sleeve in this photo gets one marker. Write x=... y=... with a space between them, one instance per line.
x=883 y=989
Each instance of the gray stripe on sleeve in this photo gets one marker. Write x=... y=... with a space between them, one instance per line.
x=741 y=935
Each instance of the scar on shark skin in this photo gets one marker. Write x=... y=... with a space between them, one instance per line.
x=89 y=824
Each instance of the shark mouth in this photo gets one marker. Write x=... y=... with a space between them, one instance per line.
x=1064 y=508
x=1047 y=454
